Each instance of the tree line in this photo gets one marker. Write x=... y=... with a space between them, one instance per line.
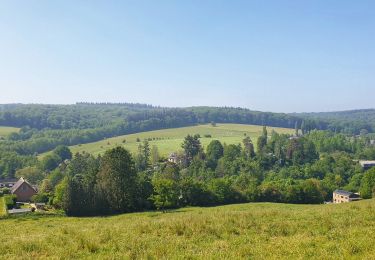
x=277 y=168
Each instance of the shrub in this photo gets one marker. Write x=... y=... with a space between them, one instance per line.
x=40 y=198
x=10 y=201
x=4 y=191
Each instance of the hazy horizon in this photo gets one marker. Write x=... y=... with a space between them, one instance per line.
x=160 y=105
x=275 y=56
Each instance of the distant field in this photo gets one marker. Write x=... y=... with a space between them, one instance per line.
x=6 y=130
x=243 y=231
x=169 y=140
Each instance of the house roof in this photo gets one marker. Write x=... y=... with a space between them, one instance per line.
x=347 y=193
x=19 y=183
x=343 y=192
x=363 y=162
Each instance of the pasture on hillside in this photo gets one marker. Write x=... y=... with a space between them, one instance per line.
x=170 y=140
x=242 y=231
x=6 y=130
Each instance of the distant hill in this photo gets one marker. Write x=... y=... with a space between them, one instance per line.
x=170 y=140
x=43 y=127
x=351 y=121
x=96 y=115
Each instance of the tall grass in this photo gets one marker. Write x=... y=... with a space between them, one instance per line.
x=3 y=210
x=255 y=231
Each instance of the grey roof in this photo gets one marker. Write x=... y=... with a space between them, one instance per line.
x=364 y=162
x=347 y=193
x=19 y=183
x=343 y=192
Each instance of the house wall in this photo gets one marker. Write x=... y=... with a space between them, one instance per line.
x=24 y=192
x=338 y=198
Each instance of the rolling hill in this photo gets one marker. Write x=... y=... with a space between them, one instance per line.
x=170 y=140
x=242 y=231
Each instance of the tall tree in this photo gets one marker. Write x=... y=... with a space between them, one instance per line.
x=296 y=128
x=192 y=147
x=146 y=152
x=142 y=160
x=155 y=156
x=117 y=180
x=248 y=147
x=303 y=127
x=64 y=152
x=262 y=141
x=214 y=152
x=368 y=184
x=166 y=193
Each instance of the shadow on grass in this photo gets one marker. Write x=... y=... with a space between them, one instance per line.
x=32 y=216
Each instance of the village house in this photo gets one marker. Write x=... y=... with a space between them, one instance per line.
x=23 y=190
x=173 y=158
x=367 y=164
x=342 y=196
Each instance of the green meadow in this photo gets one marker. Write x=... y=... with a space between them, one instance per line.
x=242 y=231
x=6 y=130
x=2 y=207
x=170 y=140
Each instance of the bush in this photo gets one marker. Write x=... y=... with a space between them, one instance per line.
x=4 y=191
x=223 y=191
x=40 y=198
x=10 y=201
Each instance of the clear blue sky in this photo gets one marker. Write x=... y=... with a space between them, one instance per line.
x=266 y=55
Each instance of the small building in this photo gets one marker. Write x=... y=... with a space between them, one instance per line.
x=23 y=190
x=367 y=164
x=173 y=158
x=342 y=196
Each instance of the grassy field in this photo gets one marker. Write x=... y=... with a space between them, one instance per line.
x=2 y=207
x=244 y=231
x=169 y=140
x=6 y=130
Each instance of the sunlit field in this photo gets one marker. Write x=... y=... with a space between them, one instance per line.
x=6 y=130
x=2 y=207
x=170 y=140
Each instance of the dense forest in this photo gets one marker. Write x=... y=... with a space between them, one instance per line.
x=97 y=115
x=350 y=122
x=44 y=127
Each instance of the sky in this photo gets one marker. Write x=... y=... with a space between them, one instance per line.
x=267 y=55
